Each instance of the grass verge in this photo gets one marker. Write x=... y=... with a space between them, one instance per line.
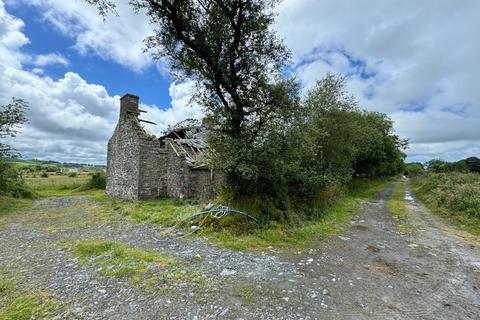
x=397 y=206
x=18 y=305
x=333 y=221
x=163 y=211
x=9 y=205
x=453 y=196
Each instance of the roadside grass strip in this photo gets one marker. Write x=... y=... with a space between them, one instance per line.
x=17 y=304
x=397 y=207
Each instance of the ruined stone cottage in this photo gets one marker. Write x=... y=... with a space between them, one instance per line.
x=141 y=165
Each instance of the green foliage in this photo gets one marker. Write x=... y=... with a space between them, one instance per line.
x=44 y=175
x=98 y=180
x=438 y=166
x=339 y=139
x=379 y=149
x=413 y=169
x=456 y=192
x=18 y=305
x=12 y=183
x=317 y=147
x=473 y=164
x=327 y=219
x=72 y=174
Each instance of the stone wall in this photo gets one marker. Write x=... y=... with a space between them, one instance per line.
x=152 y=169
x=204 y=183
x=139 y=166
x=177 y=174
x=123 y=162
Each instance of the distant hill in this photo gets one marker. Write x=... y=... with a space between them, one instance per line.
x=51 y=166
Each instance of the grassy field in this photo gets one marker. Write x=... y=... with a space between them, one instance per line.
x=57 y=184
x=455 y=196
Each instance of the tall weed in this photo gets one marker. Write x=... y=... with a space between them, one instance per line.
x=458 y=192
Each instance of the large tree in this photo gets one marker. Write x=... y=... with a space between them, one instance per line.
x=229 y=48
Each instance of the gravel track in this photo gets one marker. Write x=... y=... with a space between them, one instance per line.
x=373 y=271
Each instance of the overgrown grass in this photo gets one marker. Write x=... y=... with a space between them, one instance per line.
x=455 y=196
x=16 y=304
x=57 y=185
x=9 y=205
x=329 y=221
x=119 y=260
x=162 y=211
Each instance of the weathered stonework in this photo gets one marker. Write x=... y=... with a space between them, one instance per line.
x=141 y=166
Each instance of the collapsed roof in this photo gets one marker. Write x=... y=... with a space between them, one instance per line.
x=188 y=140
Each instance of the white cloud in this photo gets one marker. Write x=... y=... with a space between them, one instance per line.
x=182 y=108
x=413 y=56
x=415 y=61
x=43 y=60
x=69 y=119
x=118 y=38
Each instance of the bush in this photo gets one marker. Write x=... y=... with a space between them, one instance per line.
x=414 y=169
x=72 y=174
x=98 y=180
x=44 y=175
x=11 y=182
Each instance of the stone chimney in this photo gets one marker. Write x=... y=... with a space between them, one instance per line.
x=129 y=105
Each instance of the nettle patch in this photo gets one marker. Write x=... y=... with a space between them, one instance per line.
x=147 y=268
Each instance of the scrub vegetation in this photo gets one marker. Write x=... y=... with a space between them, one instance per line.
x=328 y=218
x=453 y=195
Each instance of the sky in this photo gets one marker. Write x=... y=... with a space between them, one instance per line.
x=416 y=61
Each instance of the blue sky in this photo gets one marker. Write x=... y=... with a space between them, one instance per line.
x=151 y=85
x=415 y=61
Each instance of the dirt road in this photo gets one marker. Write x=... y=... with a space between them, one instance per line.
x=373 y=271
